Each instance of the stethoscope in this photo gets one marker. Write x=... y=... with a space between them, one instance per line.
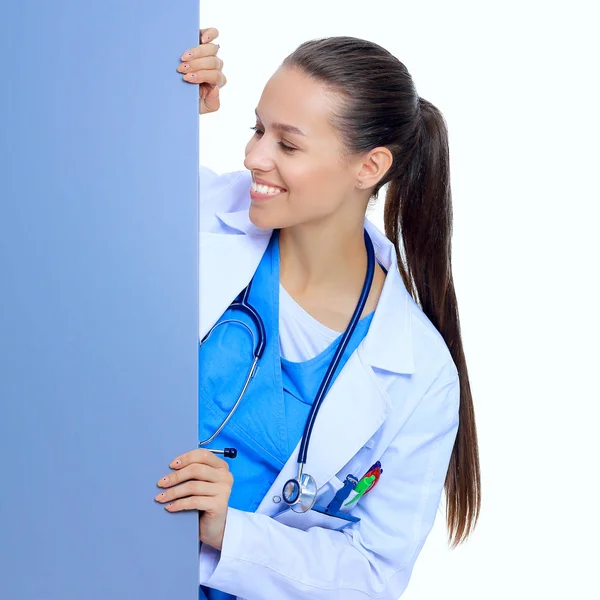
x=299 y=493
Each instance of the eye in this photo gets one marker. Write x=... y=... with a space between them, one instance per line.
x=285 y=147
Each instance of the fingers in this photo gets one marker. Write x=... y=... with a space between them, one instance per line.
x=208 y=35
x=201 y=65
x=199 y=464
x=196 y=64
x=199 y=475
x=199 y=455
x=200 y=503
x=204 y=70
x=195 y=471
x=200 y=51
x=194 y=495
x=189 y=488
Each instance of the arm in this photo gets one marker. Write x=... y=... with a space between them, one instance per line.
x=263 y=559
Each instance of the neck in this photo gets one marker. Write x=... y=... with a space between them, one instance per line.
x=318 y=256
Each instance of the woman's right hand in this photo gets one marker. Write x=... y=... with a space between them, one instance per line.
x=202 y=65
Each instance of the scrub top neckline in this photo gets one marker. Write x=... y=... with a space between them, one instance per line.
x=314 y=322
x=330 y=350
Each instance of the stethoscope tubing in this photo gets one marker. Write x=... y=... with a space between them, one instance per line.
x=258 y=348
x=325 y=383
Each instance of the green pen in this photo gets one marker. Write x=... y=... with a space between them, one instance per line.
x=361 y=487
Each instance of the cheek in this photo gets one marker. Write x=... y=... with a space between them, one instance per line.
x=315 y=187
x=305 y=180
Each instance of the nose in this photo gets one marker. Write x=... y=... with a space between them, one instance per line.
x=259 y=155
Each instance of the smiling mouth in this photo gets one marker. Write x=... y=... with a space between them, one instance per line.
x=265 y=190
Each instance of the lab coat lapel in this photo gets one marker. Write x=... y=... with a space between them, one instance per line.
x=227 y=264
x=351 y=413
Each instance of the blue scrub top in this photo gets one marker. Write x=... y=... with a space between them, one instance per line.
x=270 y=419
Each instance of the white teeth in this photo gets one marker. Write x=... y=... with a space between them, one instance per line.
x=264 y=189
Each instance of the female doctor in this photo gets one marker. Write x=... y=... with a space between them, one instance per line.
x=395 y=427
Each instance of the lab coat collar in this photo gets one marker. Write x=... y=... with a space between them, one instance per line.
x=392 y=319
x=240 y=220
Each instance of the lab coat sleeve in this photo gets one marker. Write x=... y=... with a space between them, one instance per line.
x=262 y=559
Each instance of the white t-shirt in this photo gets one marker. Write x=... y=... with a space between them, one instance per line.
x=301 y=336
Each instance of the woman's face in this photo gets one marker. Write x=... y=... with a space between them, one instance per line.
x=316 y=182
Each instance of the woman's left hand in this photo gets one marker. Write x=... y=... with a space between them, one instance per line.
x=201 y=481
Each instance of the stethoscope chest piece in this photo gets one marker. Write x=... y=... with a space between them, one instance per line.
x=300 y=494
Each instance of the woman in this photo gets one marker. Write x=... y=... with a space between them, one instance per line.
x=338 y=120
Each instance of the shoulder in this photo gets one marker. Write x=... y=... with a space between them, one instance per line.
x=430 y=350
x=435 y=377
x=409 y=346
x=409 y=356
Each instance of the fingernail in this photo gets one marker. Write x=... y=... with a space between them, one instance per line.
x=165 y=479
x=189 y=55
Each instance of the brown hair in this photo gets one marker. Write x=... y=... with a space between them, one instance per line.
x=379 y=106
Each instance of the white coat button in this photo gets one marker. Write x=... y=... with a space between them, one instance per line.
x=277 y=499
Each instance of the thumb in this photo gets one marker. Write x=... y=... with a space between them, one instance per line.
x=212 y=100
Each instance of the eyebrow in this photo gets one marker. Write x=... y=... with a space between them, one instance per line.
x=284 y=127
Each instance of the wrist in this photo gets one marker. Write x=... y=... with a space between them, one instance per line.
x=213 y=535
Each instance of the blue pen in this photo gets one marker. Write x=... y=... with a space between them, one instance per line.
x=342 y=494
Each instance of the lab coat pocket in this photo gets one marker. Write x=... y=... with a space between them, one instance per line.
x=309 y=519
x=313 y=518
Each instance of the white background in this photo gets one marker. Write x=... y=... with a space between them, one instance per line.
x=517 y=84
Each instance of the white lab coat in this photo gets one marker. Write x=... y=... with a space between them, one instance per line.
x=396 y=401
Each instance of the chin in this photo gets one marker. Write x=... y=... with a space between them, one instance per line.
x=262 y=219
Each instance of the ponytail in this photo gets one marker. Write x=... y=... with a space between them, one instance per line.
x=418 y=221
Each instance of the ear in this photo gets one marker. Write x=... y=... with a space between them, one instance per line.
x=374 y=166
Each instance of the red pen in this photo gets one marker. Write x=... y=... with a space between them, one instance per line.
x=374 y=470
